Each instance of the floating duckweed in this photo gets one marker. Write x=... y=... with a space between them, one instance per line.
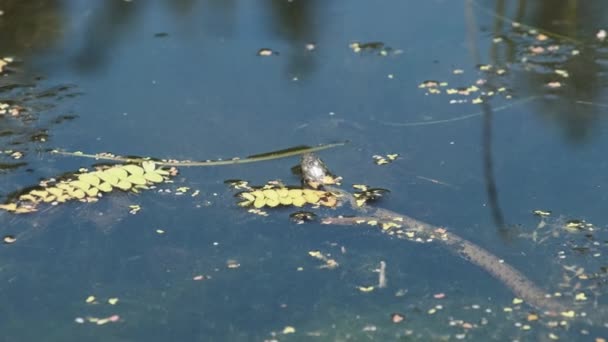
x=274 y=195
x=368 y=194
x=539 y=212
x=87 y=186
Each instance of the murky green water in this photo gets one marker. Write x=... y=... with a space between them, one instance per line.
x=512 y=122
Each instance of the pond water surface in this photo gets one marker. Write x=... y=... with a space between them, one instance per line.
x=495 y=110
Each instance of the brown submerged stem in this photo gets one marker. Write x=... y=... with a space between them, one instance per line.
x=516 y=281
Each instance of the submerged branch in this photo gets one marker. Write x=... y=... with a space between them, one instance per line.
x=519 y=284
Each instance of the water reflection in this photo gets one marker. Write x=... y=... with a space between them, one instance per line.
x=29 y=26
x=560 y=37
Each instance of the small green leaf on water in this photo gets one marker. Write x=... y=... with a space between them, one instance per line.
x=148 y=166
x=153 y=177
x=89 y=179
x=81 y=185
x=134 y=169
x=105 y=187
x=137 y=179
x=118 y=172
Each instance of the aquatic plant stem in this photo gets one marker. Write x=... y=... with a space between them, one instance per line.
x=295 y=151
x=458 y=118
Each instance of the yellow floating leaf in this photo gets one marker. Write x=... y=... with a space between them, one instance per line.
x=28 y=197
x=271 y=194
x=316 y=254
x=568 y=314
x=80 y=185
x=65 y=186
x=580 y=296
x=134 y=169
x=310 y=196
x=90 y=299
x=49 y=199
x=244 y=203
x=258 y=194
x=289 y=330
x=365 y=289
x=154 y=177
x=286 y=200
x=108 y=177
x=329 y=201
x=39 y=193
x=162 y=172
x=272 y=202
x=136 y=179
x=113 y=301
x=283 y=192
x=259 y=202
x=298 y=201
x=92 y=192
x=9 y=206
x=124 y=185
x=63 y=198
x=248 y=196
x=148 y=166
x=293 y=193
x=105 y=187
x=24 y=210
x=55 y=191
x=118 y=172
x=89 y=178
x=517 y=301
x=77 y=193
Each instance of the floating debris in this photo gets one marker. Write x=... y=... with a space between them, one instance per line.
x=367 y=194
x=134 y=209
x=329 y=263
x=231 y=263
x=397 y=317
x=237 y=184
x=541 y=213
x=265 y=52
x=366 y=288
x=386 y=159
x=9 y=239
x=379 y=47
x=289 y=330
x=575 y=224
x=300 y=217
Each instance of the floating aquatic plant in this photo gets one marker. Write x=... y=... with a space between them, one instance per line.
x=274 y=196
x=88 y=186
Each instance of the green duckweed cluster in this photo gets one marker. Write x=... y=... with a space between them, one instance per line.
x=88 y=186
x=270 y=196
